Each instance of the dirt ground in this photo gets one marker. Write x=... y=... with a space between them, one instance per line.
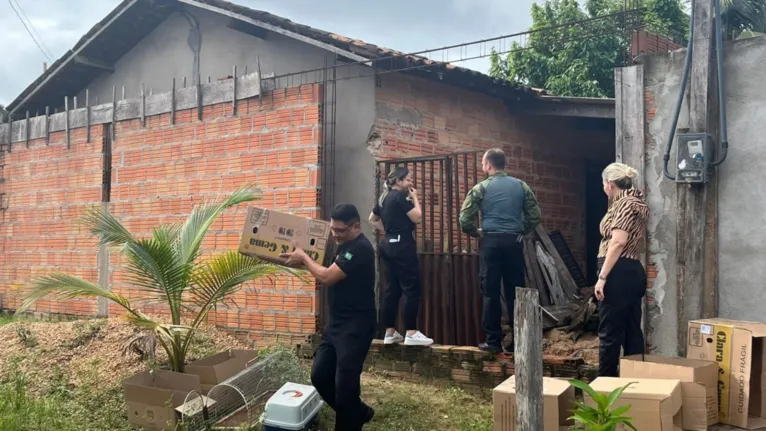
x=89 y=350
x=558 y=343
x=83 y=363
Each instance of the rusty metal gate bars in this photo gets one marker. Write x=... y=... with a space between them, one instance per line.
x=449 y=263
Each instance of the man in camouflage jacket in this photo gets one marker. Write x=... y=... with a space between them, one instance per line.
x=509 y=210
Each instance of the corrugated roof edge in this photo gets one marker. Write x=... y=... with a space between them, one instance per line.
x=473 y=78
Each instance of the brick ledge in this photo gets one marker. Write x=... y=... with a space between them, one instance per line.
x=467 y=366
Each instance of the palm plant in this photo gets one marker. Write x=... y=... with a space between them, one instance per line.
x=743 y=15
x=167 y=269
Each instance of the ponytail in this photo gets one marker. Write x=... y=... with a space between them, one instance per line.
x=384 y=193
x=398 y=173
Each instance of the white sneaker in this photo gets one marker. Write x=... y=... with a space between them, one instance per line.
x=396 y=337
x=417 y=339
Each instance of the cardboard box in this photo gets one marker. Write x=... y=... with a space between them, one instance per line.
x=740 y=351
x=219 y=367
x=558 y=400
x=655 y=403
x=267 y=234
x=699 y=384
x=152 y=396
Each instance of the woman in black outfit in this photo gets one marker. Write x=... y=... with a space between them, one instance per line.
x=397 y=212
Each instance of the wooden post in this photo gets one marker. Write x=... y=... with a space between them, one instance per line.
x=143 y=105
x=693 y=278
x=47 y=125
x=173 y=103
x=528 y=359
x=66 y=125
x=630 y=144
x=87 y=115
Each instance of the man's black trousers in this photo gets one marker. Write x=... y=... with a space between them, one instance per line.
x=337 y=370
x=620 y=315
x=403 y=278
x=502 y=261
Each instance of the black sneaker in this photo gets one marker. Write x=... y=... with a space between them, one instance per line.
x=489 y=348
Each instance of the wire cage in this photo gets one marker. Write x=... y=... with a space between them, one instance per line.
x=238 y=402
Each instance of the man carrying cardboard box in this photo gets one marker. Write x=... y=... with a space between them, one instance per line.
x=346 y=340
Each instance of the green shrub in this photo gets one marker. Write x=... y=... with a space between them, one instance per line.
x=602 y=417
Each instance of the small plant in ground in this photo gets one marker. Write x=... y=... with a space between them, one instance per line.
x=26 y=336
x=602 y=417
x=59 y=384
x=282 y=365
x=85 y=331
x=167 y=268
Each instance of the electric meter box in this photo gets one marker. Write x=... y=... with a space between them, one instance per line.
x=694 y=153
x=293 y=407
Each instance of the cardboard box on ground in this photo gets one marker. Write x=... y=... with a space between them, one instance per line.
x=268 y=233
x=219 y=367
x=152 y=396
x=699 y=384
x=655 y=403
x=739 y=348
x=558 y=400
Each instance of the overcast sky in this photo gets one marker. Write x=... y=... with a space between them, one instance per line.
x=404 y=25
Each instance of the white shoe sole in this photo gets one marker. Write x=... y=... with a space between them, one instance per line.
x=409 y=342
x=392 y=340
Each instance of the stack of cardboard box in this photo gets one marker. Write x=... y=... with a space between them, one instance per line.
x=721 y=380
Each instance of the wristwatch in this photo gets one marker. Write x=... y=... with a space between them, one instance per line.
x=602 y=277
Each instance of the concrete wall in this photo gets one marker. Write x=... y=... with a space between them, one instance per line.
x=741 y=203
x=165 y=54
x=742 y=199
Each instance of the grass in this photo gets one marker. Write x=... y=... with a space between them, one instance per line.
x=5 y=319
x=61 y=408
x=399 y=405
x=40 y=394
x=402 y=405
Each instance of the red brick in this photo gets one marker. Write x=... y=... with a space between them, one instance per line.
x=447 y=119
x=158 y=173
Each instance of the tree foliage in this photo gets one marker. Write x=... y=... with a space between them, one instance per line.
x=578 y=60
x=743 y=15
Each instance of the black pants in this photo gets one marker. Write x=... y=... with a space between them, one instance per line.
x=403 y=278
x=502 y=260
x=620 y=315
x=337 y=369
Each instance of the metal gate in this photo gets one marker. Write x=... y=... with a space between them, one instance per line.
x=450 y=310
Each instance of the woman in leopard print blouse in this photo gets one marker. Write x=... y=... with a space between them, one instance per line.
x=622 y=279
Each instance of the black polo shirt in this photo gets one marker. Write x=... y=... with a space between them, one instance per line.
x=394 y=211
x=353 y=298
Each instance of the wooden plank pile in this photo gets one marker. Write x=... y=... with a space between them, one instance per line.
x=553 y=272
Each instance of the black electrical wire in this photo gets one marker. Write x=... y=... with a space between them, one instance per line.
x=718 y=28
x=721 y=87
x=679 y=103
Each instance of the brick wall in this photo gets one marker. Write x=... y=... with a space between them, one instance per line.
x=48 y=186
x=420 y=117
x=158 y=173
